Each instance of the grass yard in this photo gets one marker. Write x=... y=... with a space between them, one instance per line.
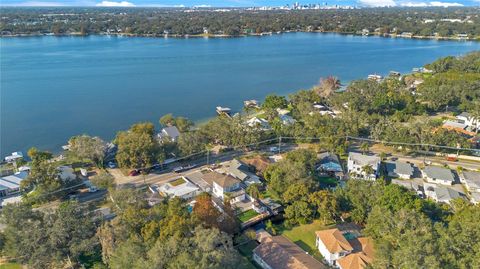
x=304 y=236
x=330 y=181
x=247 y=215
x=176 y=182
x=10 y=266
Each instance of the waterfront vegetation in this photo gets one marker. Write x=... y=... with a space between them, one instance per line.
x=425 y=22
x=167 y=235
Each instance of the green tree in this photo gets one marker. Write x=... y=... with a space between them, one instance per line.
x=273 y=101
x=87 y=147
x=137 y=148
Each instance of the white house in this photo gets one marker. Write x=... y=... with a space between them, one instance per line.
x=399 y=169
x=471 y=180
x=170 y=132
x=438 y=175
x=15 y=155
x=225 y=186
x=259 y=123
x=181 y=188
x=470 y=121
x=11 y=184
x=357 y=162
x=332 y=245
x=440 y=194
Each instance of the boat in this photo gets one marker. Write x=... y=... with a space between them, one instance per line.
x=223 y=110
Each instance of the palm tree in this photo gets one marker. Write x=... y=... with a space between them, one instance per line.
x=327 y=86
x=367 y=170
x=364 y=147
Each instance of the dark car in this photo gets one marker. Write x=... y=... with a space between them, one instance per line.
x=134 y=173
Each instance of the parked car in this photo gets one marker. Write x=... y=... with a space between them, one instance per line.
x=179 y=169
x=134 y=173
x=273 y=149
x=92 y=189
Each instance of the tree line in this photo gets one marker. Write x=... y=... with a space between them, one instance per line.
x=158 y=21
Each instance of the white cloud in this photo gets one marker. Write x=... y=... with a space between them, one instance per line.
x=115 y=4
x=210 y=5
x=430 y=4
x=445 y=4
x=414 y=4
x=378 y=3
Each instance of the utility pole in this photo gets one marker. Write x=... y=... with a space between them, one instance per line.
x=279 y=144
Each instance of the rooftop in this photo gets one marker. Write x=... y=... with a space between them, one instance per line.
x=12 y=181
x=362 y=160
x=439 y=173
x=400 y=168
x=177 y=189
x=334 y=240
x=280 y=253
x=454 y=124
x=171 y=131
x=222 y=180
x=472 y=179
x=446 y=194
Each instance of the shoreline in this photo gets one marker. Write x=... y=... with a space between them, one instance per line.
x=187 y=36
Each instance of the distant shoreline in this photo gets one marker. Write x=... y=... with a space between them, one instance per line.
x=439 y=38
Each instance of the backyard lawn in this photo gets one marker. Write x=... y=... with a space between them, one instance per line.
x=10 y=266
x=247 y=215
x=304 y=236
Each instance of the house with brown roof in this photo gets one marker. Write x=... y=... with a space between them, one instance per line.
x=333 y=245
x=277 y=252
x=362 y=256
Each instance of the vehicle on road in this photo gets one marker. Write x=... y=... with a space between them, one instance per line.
x=134 y=173
x=180 y=169
x=451 y=158
x=273 y=149
x=92 y=189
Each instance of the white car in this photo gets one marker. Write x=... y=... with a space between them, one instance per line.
x=92 y=189
x=274 y=149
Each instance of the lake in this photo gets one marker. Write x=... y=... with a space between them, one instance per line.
x=55 y=87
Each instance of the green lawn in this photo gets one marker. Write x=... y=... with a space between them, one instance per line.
x=176 y=182
x=330 y=181
x=10 y=266
x=247 y=215
x=304 y=236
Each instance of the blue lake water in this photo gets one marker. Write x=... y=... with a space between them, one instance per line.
x=55 y=87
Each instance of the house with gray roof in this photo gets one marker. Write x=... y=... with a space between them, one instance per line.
x=399 y=169
x=441 y=194
x=171 y=133
x=471 y=180
x=475 y=198
x=438 y=175
x=357 y=162
x=240 y=171
x=330 y=164
x=11 y=184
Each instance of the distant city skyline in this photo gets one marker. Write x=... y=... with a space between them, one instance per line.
x=235 y=3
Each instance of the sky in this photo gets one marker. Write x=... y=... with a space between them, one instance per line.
x=235 y=3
